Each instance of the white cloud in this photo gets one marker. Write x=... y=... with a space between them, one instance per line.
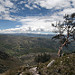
x=35 y=6
x=12 y=30
x=2 y=8
x=53 y=4
x=49 y=4
x=31 y=25
x=6 y=3
x=36 y=24
x=17 y=26
x=21 y=2
x=28 y=6
x=67 y=11
x=5 y=6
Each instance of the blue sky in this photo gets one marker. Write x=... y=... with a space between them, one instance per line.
x=32 y=16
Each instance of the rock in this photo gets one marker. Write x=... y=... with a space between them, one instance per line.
x=34 y=71
x=68 y=57
x=61 y=62
x=50 y=63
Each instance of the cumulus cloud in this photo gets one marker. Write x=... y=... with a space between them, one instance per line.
x=36 y=24
x=67 y=11
x=56 y=4
x=11 y=30
x=31 y=6
x=28 y=6
x=22 y=2
x=6 y=6
x=31 y=25
x=6 y=3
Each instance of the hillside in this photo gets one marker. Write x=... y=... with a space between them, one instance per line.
x=62 y=66
x=8 y=62
x=17 y=52
x=17 y=45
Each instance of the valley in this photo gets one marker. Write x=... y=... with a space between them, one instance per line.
x=19 y=51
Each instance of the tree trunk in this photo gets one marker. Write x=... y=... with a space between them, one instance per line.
x=61 y=47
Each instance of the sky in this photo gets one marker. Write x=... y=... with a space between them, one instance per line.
x=33 y=16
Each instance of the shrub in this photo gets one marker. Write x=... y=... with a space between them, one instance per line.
x=42 y=58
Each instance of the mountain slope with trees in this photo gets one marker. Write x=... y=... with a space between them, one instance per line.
x=20 y=45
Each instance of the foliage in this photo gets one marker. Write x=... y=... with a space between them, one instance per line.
x=62 y=66
x=20 y=45
x=7 y=62
x=17 y=71
x=67 y=27
x=42 y=58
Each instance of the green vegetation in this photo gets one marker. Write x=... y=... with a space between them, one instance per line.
x=17 y=71
x=62 y=66
x=21 y=45
x=68 y=27
x=7 y=62
x=42 y=58
x=18 y=51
